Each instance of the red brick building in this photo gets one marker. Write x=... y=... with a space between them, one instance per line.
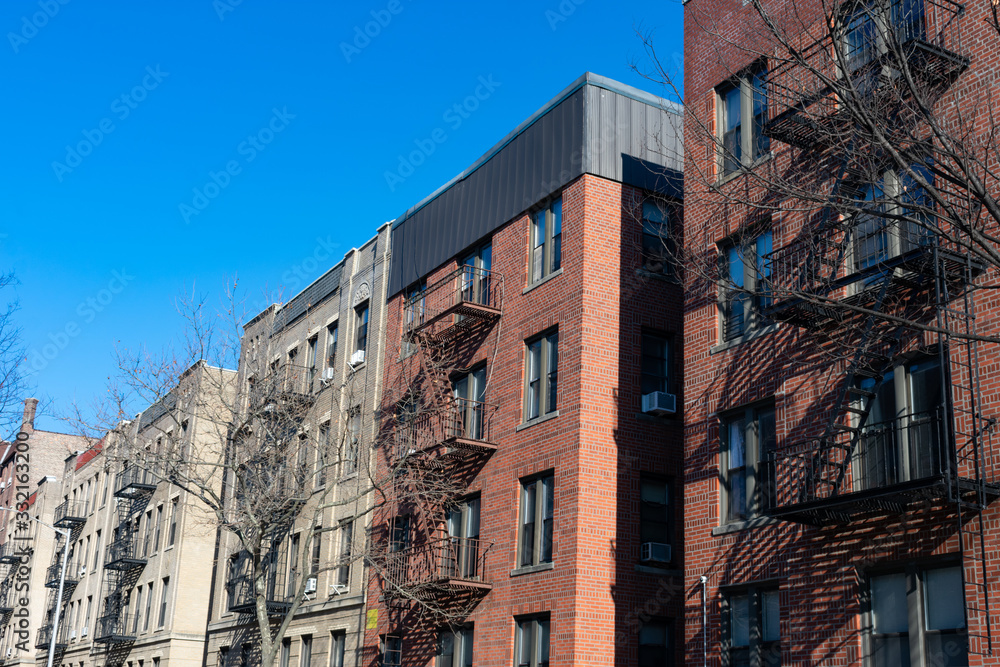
x=536 y=512
x=840 y=382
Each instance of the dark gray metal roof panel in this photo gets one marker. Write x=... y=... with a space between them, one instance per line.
x=595 y=125
x=317 y=292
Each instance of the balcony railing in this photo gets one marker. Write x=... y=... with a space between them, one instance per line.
x=44 y=637
x=135 y=480
x=10 y=551
x=115 y=629
x=240 y=585
x=818 y=265
x=803 y=107
x=282 y=388
x=70 y=513
x=893 y=463
x=440 y=567
x=463 y=426
x=124 y=553
x=461 y=299
x=54 y=572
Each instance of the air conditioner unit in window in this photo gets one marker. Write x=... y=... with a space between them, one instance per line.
x=310 y=585
x=72 y=634
x=10 y=651
x=656 y=552
x=328 y=374
x=358 y=358
x=659 y=403
x=83 y=570
x=83 y=633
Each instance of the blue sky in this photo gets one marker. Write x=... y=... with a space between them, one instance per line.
x=160 y=147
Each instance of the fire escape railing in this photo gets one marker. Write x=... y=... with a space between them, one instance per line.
x=443 y=564
x=454 y=303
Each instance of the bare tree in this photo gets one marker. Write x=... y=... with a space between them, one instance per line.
x=261 y=462
x=12 y=356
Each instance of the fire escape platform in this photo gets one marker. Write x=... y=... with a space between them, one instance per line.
x=914 y=268
x=895 y=498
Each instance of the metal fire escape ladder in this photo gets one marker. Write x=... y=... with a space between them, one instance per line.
x=967 y=483
x=875 y=352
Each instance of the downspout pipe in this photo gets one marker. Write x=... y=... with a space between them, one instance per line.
x=704 y=620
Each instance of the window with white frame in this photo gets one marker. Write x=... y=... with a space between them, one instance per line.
x=537 y=514
x=546 y=240
x=748 y=438
x=541 y=376
x=746 y=290
x=531 y=641
x=742 y=105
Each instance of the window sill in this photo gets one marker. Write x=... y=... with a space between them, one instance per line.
x=530 y=569
x=739 y=526
x=731 y=176
x=347 y=478
x=536 y=420
x=554 y=274
x=662 y=571
x=745 y=338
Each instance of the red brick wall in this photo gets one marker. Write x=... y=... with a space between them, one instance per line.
x=597 y=446
x=819 y=571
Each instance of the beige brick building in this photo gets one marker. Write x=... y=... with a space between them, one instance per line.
x=139 y=569
x=323 y=350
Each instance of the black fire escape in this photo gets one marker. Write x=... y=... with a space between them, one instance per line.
x=71 y=515
x=442 y=437
x=869 y=267
x=124 y=561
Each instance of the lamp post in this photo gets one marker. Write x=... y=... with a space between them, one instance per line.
x=62 y=582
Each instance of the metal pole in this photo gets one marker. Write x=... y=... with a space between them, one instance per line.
x=62 y=582
x=704 y=620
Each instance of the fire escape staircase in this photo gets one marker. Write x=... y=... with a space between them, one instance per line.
x=124 y=562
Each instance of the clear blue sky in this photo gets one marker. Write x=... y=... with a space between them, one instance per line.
x=97 y=234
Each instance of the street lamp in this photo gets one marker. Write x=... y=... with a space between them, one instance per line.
x=62 y=581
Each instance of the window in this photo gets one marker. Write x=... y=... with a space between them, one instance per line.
x=323 y=438
x=476 y=277
x=654 y=520
x=293 y=563
x=164 y=597
x=748 y=436
x=138 y=609
x=454 y=648
x=305 y=657
x=746 y=291
x=917 y=617
x=470 y=392
x=338 y=647
x=148 y=534
x=311 y=359
x=224 y=656
x=344 y=554
x=742 y=142
x=174 y=509
x=658 y=227
x=317 y=551
x=90 y=609
x=537 y=504
x=159 y=525
x=654 y=644
x=97 y=550
x=541 y=376
x=361 y=332
x=752 y=628
x=414 y=311
x=531 y=643
x=104 y=494
x=331 y=345
x=655 y=364
x=149 y=608
x=392 y=651
x=353 y=444
x=286 y=652
x=463 y=531
x=901 y=437
x=400 y=533
x=868 y=26
x=546 y=241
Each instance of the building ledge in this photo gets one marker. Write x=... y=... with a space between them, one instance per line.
x=749 y=524
x=536 y=420
x=745 y=338
x=531 y=569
